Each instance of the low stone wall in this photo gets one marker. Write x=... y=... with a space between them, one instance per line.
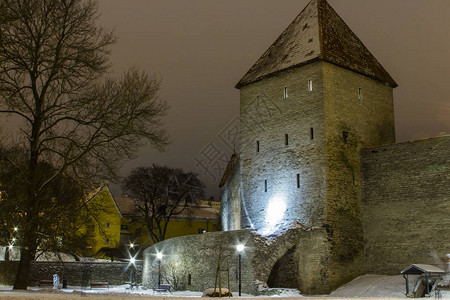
x=406 y=204
x=190 y=262
x=76 y=273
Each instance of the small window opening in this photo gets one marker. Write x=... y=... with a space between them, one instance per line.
x=257 y=100
x=265 y=185
x=311 y=133
x=285 y=93
x=257 y=146
x=298 y=181
x=359 y=94
x=107 y=241
x=286 y=139
x=189 y=279
x=107 y=225
x=310 y=86
x=345 y=136
x=353 y=176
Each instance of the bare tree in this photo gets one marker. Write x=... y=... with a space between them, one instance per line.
x=53 y=61
x=161 y=193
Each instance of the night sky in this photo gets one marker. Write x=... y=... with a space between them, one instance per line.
x=201 y=48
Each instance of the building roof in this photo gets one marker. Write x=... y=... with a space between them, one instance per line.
x=90 y=196
x=234 y=159
x=128 y=208
x=417 y=269
x=317 y=33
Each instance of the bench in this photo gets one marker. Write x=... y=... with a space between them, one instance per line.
x=163 y=288
x=45 y=283
x=99 y=285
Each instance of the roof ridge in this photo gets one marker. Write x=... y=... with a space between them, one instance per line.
x=318 y=32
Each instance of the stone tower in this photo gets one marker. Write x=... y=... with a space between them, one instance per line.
x=308 y=106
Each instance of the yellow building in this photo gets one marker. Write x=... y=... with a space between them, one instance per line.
x=104 y=221
x=196 y=219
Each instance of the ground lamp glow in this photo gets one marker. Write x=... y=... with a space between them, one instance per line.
x=240 y=248
x=159 y=257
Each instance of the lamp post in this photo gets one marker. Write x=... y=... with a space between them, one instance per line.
x=240 y=248
x=159 y=256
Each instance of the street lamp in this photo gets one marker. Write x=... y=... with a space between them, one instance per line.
x=159 y=257
x=240 y=248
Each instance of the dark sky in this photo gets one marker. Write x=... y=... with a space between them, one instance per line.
x=201 y=48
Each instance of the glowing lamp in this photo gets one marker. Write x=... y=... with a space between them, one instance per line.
x=10 y=247
x=159 y=255
x=132 y=260
x=131 y=245
x=15 y=228
x=240 y=247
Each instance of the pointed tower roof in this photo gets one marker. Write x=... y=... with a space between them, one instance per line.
x=317 y=33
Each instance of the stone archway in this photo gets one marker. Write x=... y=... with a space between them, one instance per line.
x=284 y=273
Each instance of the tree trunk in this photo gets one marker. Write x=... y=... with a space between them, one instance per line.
x=26 y=256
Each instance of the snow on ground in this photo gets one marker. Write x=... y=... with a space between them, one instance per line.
x=373 y=286
x=363 y=287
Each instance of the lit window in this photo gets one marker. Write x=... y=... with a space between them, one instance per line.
x=286 y=139
x=285 y=93
x=257 y=146
x=310 y=85
x=298 y=181
x=311 y=133
x=359 y=94
x=265 y=185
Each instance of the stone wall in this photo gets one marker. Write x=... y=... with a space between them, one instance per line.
x=191 y=261
x=359 y=113
x=406 y=204
x=231 y=200
x=76 y=273
x=282 y=162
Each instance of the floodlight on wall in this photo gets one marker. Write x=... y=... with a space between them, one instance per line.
x=159 y=255
x=275 y=211
x=132 y=260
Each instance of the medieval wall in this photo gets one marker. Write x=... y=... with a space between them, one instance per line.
x=359 y=113
x=406 y=204
x=231 y=201
x=76 y=273
x=282 y=149
x=194 y=267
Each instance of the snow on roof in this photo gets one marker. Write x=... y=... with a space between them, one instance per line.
x=417 y=269
x=128 y=208
x=317 y=33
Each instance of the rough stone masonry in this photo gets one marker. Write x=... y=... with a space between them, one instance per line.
x=320 y=185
